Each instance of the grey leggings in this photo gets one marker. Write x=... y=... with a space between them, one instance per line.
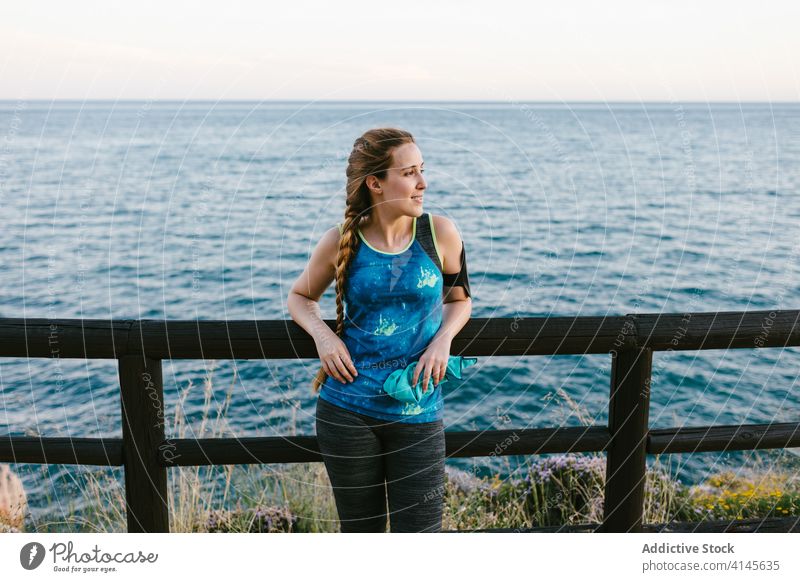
x=365 y=457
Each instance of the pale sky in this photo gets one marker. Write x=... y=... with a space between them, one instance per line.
x=565 y=50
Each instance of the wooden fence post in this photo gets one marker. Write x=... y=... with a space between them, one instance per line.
x=628 y=414
x=142 y=400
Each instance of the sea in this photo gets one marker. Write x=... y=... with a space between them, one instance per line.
x=201 y=210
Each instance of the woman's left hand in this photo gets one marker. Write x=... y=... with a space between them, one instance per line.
x=432 y=364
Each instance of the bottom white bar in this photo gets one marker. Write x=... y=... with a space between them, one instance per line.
x=388 y=557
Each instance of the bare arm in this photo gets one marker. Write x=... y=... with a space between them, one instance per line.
x=455 y=316
x=303 y=305
x=303 y=300
x=457 y=307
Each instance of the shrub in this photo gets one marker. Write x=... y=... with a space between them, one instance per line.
x=271 y=519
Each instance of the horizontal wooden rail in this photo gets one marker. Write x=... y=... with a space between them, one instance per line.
x=487 y=443
x=458 y=444
x=280 y=339
x=105 y=452
x=745 y=437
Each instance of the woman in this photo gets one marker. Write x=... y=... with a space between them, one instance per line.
x=404 y=284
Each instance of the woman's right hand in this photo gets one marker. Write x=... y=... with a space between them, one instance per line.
x=335 y=358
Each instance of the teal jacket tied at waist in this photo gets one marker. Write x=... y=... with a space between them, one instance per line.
x=398 y=384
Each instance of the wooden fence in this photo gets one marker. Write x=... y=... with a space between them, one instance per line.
x=139 y=346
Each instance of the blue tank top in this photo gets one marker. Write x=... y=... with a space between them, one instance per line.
x=392 y=311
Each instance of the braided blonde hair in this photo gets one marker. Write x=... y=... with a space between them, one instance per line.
x=371 y=156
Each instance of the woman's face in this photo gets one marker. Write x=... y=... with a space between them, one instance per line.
x=404 y=184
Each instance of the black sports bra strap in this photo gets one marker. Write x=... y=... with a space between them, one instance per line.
x=425 y=238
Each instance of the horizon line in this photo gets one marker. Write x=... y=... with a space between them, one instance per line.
x=460 y=101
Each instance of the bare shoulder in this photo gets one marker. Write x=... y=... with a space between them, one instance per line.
x=321 y=268
x=328 y=247
x=449 y=241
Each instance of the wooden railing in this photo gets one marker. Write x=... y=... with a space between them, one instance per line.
x=146 y=453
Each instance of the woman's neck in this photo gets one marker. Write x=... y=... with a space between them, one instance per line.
x=388 y=232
